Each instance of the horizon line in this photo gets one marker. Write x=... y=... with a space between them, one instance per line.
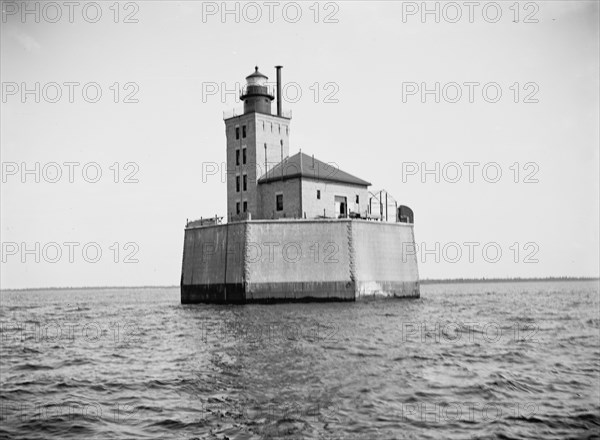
x=422 y=281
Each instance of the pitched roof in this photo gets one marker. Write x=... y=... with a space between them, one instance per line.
x=256 y=73
x=302 y=165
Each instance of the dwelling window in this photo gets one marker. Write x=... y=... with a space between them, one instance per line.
x=237 y=132
x=245 y=206
x=244 y=156
x=245 y=182
x=319 y=194
x=237 y=208
x=237 y=183
x=237 y=157
x=357 y=199
x=243 y=131
x=279 y=202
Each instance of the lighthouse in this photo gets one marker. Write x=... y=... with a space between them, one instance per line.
x=297 y=228
x=257 y=140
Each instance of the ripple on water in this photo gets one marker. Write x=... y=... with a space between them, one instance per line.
x=346 y=371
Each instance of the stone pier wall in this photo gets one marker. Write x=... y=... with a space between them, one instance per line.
x=298 y=260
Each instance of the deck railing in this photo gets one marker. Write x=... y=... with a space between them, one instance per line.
x=227 y=114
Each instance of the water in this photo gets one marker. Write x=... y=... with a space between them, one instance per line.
x=489 y=360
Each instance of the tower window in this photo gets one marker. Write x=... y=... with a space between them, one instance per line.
x=237 y=132
x=271 y=127
x=243 y=131
x=319 y=194
x=237 y=183
x=357 y=199
x=279 y=202
x=263 y=125
x=287 y=130
x=279 y=128
x=237 y=208
x=237 y=157
x=245 y=182
x=245 y=206
x=244 y=156
x=266 y=166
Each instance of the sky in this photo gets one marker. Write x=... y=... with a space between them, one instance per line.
x=136 y=91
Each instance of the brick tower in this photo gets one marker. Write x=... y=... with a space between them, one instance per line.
x=256 y=141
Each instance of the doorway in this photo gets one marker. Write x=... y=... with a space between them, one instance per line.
x=341 y=207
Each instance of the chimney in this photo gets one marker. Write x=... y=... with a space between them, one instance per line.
x=278 y=69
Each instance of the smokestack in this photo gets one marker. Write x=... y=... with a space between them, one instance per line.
x=278 y=69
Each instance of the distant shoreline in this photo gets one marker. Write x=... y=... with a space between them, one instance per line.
x=423 y=282
x=504 y=280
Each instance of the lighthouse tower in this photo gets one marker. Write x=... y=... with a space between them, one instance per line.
x=257 y=140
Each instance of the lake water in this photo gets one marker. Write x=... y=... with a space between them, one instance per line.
x=480 y=360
